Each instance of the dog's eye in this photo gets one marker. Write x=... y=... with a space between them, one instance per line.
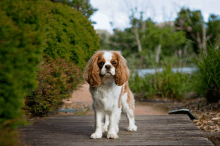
x=113 y=62
x=101 y=63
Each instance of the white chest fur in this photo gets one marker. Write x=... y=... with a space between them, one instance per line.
x=106 y=96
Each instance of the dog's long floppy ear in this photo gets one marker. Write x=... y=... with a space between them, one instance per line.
x=91 y=73
x=122 y=71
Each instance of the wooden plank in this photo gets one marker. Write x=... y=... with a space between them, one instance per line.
x=152 y=130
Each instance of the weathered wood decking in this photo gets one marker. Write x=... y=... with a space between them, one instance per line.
x=152 y=130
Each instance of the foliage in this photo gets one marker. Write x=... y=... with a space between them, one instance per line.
x=21 y=47
x=207 y=81
x=165 y=84
x=9 y=137
x=154 y=35
x=169 y=39
x=83 y=6
x=29 y=28
x=104 y=45
x=57 y=79
x=123 y=41
x=70 y=35
x=21 y=43
x=191 y=22
x=213 y=30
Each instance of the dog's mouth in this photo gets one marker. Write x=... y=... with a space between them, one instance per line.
x=108 y=74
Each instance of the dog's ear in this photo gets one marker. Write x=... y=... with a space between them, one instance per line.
x=122 y=71
x=91 y=73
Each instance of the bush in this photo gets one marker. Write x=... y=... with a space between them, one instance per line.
x=207 y=81
x=57 y=78
x=21 y=43
x=26 y=26
x=70 y=35
x=165 y=84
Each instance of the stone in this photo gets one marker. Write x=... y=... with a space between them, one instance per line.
x=198 y=123
x=210 y=123
x=216 y=119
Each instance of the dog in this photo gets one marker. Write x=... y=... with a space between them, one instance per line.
x=107 y=75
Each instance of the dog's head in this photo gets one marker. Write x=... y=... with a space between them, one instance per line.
x=106 y=64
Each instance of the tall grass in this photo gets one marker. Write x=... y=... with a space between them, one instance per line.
x=207 y=82
x=165 y=84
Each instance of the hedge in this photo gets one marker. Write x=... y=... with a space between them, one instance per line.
x=71 y=41
x=21 y=43
x=31 y=32
x=21 y=48
x=37 y=31
x=57 y=79
x=70 y=35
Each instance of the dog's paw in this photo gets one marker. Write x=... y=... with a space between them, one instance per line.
x=112 y=136
x=96 y=135
x=132 y=128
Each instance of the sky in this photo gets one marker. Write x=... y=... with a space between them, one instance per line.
x=117 y=11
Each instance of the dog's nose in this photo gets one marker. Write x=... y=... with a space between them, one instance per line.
x=108 y=66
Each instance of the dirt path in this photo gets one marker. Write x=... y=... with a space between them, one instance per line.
x=82 y=95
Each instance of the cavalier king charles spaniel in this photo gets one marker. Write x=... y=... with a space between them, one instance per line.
x=107 y=74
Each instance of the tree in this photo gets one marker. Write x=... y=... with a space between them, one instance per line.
x=137 y=24
x=104 y=45
x=214 y=30
x=137 y=11
x=164 y=38
x=157 y=40
x=82 y=6
x=123 y=41
x=192 y=23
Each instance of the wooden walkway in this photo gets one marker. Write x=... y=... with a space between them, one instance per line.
x=152 y=130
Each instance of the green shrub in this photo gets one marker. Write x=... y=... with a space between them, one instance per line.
x=166 y=84
x=29 y=28
x=172 y=85
x=57 y=79
x=207 y=81
x=21 y=48
x=70 y=35
x=21 y=43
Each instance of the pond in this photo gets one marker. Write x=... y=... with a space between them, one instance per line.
x=143 y=72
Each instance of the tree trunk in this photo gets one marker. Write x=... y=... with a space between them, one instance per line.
x=185 y=50
x=158 y=53
x=137 y=38
x=203 y=34
x=180 y=53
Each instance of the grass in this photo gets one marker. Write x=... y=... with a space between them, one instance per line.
x=207 y=82
x=165 y=84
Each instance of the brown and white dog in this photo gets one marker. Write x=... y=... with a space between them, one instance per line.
x=107 y=74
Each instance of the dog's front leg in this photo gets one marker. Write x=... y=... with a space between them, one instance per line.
x=99 y=114
x=105 y=126
x=113 y=126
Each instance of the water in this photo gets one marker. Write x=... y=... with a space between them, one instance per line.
x=143 y=72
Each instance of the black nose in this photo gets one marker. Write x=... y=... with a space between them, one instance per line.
x=108 y=66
